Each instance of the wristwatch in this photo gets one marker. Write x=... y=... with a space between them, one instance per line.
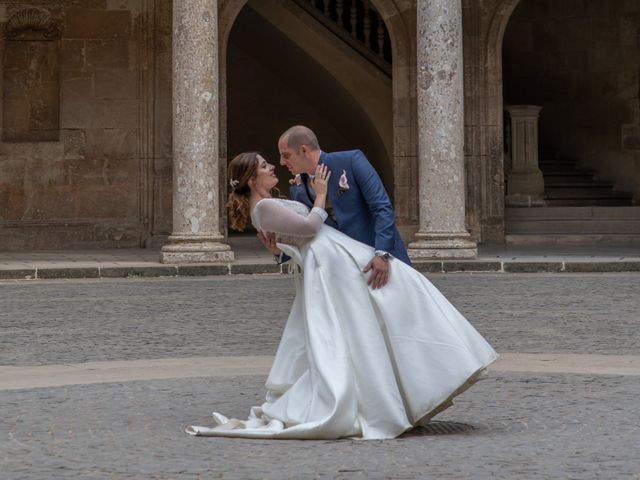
x=386 y=256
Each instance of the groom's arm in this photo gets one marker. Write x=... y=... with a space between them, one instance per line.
x=379 y=204
x=377 y=201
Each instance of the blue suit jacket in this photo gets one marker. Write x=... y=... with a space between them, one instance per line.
x=363 y=211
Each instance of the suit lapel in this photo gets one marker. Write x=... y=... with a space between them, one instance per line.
x=332 y=189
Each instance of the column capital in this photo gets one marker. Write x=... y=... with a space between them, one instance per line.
x=523 y=110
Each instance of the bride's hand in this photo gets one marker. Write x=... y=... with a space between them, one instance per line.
x=321 y=180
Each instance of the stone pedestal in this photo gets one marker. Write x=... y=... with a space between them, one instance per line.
x=442 y=233
x=196 y=233
x=525 y=183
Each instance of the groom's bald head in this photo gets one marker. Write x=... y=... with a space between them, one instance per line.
x=299 y=150
x=299 y=135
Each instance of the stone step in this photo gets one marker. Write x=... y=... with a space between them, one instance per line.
x=555 y=161
x=566 y=171
x=589 y=224
x=568 y=178
x=577 y=240
x=548 y=152
x=573 y=226
x=575 y=171
x=584 y=192
x=583 y=202
x=573 y=213
x=599 y=184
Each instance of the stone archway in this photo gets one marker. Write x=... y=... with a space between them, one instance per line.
x=402 y=153
x=484 y=143
x=405 y=145
x=495 y=107
x=495 y=38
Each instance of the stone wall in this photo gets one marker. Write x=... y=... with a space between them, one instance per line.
x=580 y=61
x=102 y=176
x=160 y=189
x=105 y=177
x=91 y=165
x=82 y=182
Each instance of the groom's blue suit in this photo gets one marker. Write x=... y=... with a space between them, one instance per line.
x=362 y=211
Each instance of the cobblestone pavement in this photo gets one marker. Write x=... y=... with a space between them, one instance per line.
x=76 y=321
x=527 y=425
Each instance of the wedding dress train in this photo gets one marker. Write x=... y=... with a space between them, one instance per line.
x=352 y=361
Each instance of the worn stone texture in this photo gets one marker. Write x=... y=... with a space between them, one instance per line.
x=196 y=200
x=526 y=424
x=578 y=59
x=442 y=231
x=30 y=83
x=146 y=318
x=82 y=187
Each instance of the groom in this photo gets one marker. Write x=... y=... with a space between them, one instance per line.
x=356 y=199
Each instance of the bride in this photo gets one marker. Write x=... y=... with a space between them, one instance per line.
x=352 y=361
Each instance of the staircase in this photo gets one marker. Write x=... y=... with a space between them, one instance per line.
x=565 y=184
x=358 y=24
x=579 y=210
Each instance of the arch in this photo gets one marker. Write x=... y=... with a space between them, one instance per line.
x=497 y=28
x=495 y=38
x=495 y=190
x=403 y=77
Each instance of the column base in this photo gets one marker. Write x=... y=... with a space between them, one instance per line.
x=442 y=246
x=519 y=200
x=525 y=188
x=186 y=250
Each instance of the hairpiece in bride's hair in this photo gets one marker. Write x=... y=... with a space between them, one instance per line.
x=234 y=183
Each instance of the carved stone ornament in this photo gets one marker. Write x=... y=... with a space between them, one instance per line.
x=32 y=18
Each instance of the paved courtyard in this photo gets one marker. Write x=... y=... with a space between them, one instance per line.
x=128 y=357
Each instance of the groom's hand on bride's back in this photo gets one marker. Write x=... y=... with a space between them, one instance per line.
x=269 y=241
x=380 y=272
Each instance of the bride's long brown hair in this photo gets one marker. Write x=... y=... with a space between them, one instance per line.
x=241 y=169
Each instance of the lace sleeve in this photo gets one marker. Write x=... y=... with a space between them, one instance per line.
x=273 y=216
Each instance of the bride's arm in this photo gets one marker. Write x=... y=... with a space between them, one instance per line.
x=273 y=216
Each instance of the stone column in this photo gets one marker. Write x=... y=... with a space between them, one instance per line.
x=196 y=200
x=525 y=183
x=442 y=232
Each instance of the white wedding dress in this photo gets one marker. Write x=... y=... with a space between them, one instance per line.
x=352 y=361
